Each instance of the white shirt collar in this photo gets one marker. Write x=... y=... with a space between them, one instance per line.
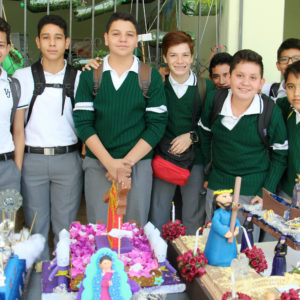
x=255 y=107
x=281 y=90
x=3 y=75
x=297 y=115
x=134 y=67
x=62 y=71
x=191 y=81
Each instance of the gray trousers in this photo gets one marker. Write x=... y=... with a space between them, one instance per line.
x=52 y=187
x=193 y=202
x=10 y=175
x=138 y=198
x=243 y=200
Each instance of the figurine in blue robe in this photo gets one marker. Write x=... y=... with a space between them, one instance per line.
x=218 y=251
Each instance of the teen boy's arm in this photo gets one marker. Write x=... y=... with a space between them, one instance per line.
x=19 y=137
x=156 y=117
x=204 y=126
x=23 y=75
x=279 y=150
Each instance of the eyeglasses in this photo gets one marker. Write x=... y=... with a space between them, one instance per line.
x=285 y=59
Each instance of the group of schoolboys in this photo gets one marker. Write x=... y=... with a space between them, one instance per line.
x=120 y=126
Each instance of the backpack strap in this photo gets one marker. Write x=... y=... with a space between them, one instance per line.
x=39 y=84
x=290 y=112
x=68 y=86
x=97 y=77
x=264 y=120
x=218 y=102
x=16 y=94
x=274 y=89
x=201 y=83
x=144 y=75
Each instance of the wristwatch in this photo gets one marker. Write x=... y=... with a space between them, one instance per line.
x=194 y=137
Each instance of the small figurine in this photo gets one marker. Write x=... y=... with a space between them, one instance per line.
x=61 y=263
x=248 y=225
x=296 y=192
x=279 y=261
x=218 y=250
x=105 y=278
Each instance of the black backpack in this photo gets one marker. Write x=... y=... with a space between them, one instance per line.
x=16 y=93
x=263 y=118
x=274 y=89
x=144 y=75
x=40 y=84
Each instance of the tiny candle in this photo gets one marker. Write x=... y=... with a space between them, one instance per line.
x=196 y=241
x=233 y=289
x=173 y=212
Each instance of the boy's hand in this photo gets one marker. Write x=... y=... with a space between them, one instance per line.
x=181 y=143
x=164 y=71
x=256 y=199
x=116 y=164
x=92 y=63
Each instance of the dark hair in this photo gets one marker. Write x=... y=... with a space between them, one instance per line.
x=247 y=56
x=222 y=58
x=288 y=44
x=294 y=68
x=174 y=38
x=52 y=19
x=104 y=257
x=121 y=15
x=5 y=27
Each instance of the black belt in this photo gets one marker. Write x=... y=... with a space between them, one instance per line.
x=52 y=150
x=7 y=156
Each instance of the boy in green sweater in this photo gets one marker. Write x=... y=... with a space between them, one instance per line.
x=237 y=148
x=291 y=111
x=119 y=126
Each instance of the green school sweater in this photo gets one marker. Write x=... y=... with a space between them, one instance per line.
x=180 y=114
x=120 y=117
x=241 y=152
x=293 y=131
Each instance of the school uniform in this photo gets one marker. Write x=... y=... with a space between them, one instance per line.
x=237 y=150
x=292 y=117
x=52 y=167
x=120 y=116
x=10 y=175
x=180 y=103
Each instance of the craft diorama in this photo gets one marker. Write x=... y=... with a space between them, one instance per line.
x=118 y=261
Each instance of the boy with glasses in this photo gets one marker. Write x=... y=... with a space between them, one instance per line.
x=288 y=53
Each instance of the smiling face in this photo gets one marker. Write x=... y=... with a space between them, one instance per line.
x=292 y=87
x=52 y=42
x=220 y=76
x=121 y=38
x=179 y=60
x=246 y=81
x=4 y=47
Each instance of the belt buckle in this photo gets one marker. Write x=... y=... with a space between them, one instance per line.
x=49 y=151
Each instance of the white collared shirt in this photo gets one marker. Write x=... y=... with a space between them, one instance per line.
x=47 y=127
x=229 y=120
x=181 y=88
x=6 y=105
x=297 y=115
x=116 y=79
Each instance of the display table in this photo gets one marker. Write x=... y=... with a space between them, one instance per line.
x=202 y=288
